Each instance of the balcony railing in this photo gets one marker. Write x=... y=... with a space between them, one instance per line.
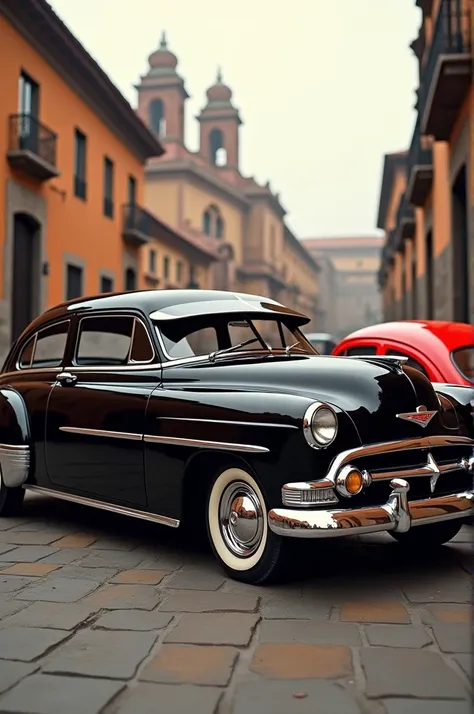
x=420 y=167
x=32 y=147
x=405 y=222
x=138 y=225
x=442 y=92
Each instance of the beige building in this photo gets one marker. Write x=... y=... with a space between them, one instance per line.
x=349 y=296
x=205 y=197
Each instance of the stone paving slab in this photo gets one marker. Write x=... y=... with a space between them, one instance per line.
x=101 y=614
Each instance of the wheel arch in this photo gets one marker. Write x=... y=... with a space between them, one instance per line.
x=15 y=439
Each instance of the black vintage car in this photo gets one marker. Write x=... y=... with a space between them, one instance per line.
x=188 y=407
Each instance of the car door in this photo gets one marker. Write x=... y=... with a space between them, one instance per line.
x=96 y=411
x=32 y=373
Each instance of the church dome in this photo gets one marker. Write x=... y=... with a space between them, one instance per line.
x=219 y=92
x=163 y=58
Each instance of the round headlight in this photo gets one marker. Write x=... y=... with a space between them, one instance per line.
x=320 y=425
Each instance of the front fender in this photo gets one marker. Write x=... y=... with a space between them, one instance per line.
x=15 y=441
x=461 y=399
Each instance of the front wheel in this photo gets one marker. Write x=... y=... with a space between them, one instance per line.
x=238 y=529
x=430 y=536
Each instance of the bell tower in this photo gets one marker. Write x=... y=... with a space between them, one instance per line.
x=219 y=121
x=162 y=95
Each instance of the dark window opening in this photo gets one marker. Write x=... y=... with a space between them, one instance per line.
x=28 y=106
x=206 y=223
x=132 y=191
x=130 y=279
x=104 y=340
x=363 y=350
x=460 y=241
x=152 y=261
x=179 y=272
x=429 y=275
x=106 y=284
x=166 y=267
x=217 y=151
x=80 y=150
x=74 y=278
x=157 y=117
x=108 y=188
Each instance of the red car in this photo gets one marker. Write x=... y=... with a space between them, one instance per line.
x=443 y=351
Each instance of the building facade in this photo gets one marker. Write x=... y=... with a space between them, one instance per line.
x=205 y=196
x=426 y=203
x=72 y=162
x=349 y=295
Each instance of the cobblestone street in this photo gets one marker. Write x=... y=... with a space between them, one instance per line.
x=100 y=613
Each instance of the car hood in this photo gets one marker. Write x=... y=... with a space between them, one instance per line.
x=370 y=392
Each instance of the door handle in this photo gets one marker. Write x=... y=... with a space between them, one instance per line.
x=66 y=378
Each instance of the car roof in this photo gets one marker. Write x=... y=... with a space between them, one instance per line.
x=426 y=332
x=172 y=304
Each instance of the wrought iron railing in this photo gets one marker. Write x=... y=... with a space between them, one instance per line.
x=137 y=219
x=28 y=134
x=451 y=35
x=420 y=153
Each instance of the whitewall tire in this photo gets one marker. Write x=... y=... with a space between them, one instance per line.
x=238 y=528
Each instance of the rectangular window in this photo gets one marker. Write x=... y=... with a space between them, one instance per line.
x=166 y=267
x=80 y=148
x=108 y=188
x=179 y=272
x=46 y=348
x=28 y=96
x=104 y=340
x=152 y=261
x=106 y=284
x=132 y=191
x=74 y=277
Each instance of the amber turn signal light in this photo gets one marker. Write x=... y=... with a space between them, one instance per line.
x=349 y=481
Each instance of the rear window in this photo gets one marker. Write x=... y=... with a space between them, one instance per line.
x=464 y=361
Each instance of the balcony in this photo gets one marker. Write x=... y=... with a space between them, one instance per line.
x=405 y=223
x=447 y=75
x=420 y=168
x=138 y=225
x=32 y=147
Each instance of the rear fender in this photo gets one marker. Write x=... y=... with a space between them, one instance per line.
x=15 y=439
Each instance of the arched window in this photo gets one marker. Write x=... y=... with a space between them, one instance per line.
x=212 y=222
x=216 y=143
x=157 y=117
x=207 y=223
x=221 y=157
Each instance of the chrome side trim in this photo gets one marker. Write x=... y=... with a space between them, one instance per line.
x=170 y=440
x=14 y=465
x=229 y=421
x=122 y=510
x=101 y=432
x=204 y=444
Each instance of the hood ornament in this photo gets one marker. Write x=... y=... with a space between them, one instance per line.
x=422 y=416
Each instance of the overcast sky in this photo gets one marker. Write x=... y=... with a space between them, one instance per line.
x=325 y=87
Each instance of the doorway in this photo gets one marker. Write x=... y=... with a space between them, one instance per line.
x=26 y=272
x=460 y=261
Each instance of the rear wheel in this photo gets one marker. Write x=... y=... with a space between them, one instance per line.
x=238 y=529
x=430 y=536
x=11 y=499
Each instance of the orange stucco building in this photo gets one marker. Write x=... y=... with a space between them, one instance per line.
x=427 y=194
x=72 y=158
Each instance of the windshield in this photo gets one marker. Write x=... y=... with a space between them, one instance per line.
x=194 y=337
x=464 y=361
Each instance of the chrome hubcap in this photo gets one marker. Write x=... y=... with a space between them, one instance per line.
x=241 y=519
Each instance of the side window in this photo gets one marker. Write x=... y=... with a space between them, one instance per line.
x=46 y=348
x=142 y=350
x=410 y=361
x=104 y=340
x=363 y=350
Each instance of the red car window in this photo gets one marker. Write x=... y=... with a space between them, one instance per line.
x=464 y=362
x=362 y=350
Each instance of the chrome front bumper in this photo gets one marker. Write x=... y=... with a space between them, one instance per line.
x=397 y=514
